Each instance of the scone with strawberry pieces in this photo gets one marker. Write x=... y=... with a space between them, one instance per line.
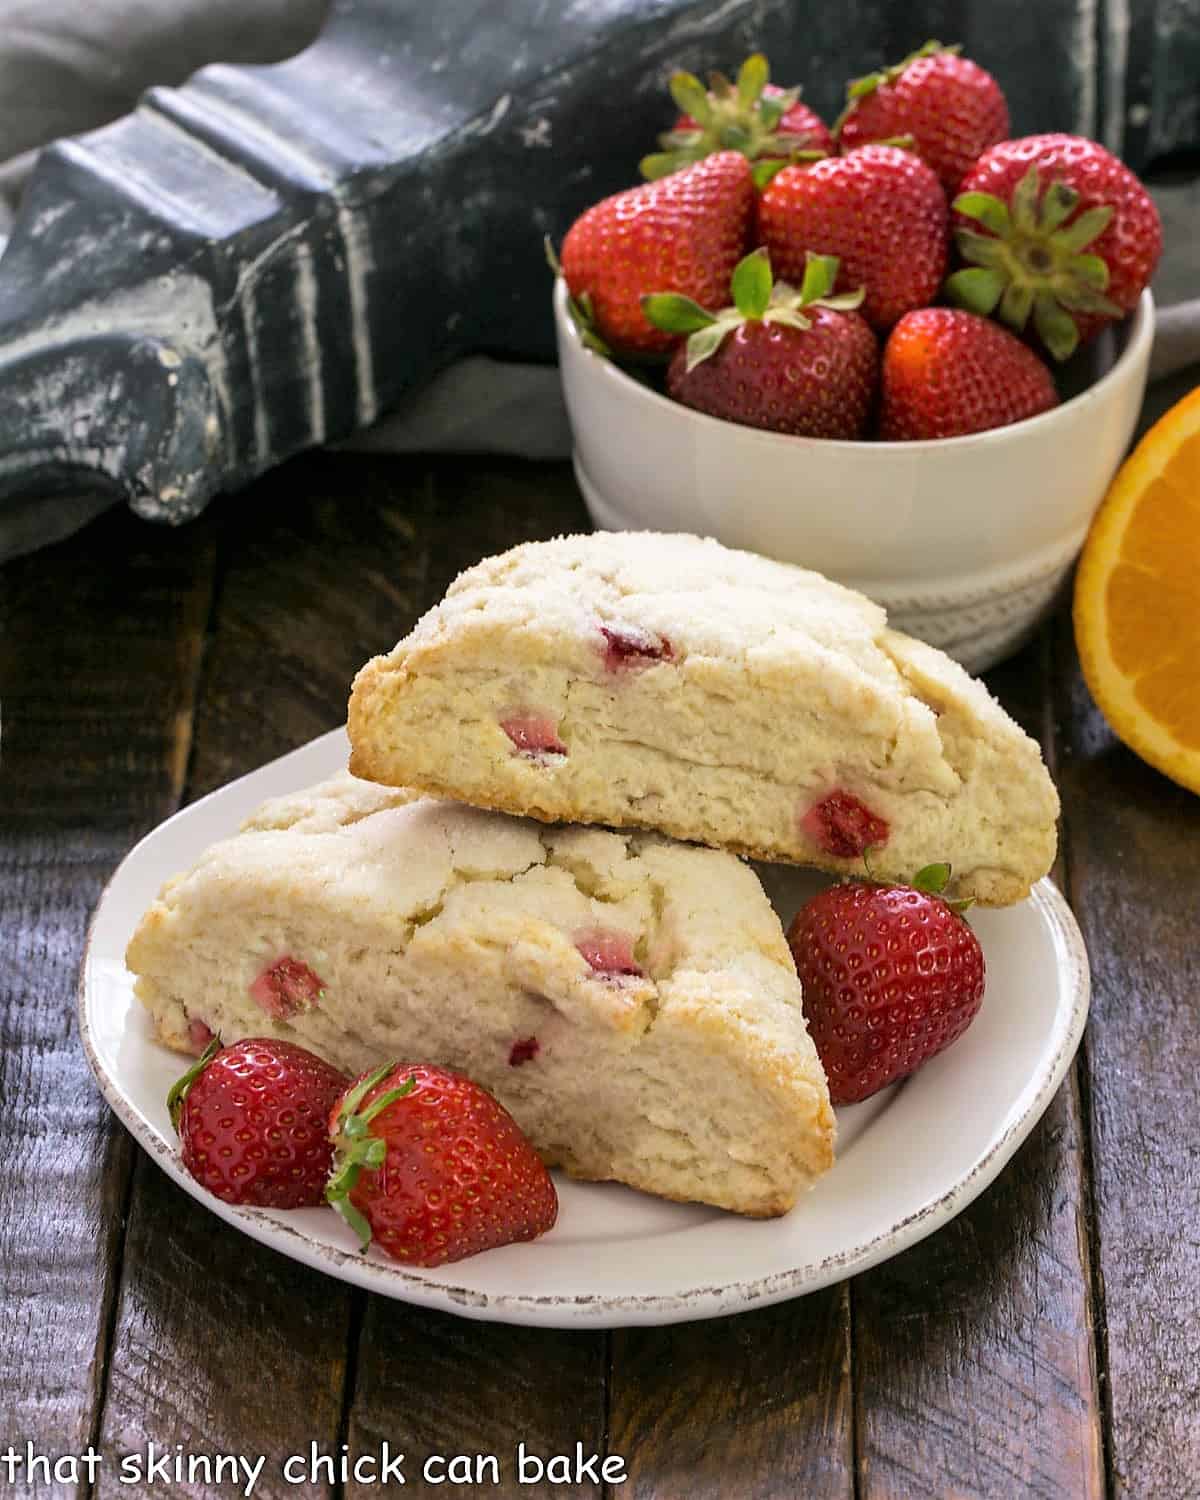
x=630 y=1000
x=667 y=682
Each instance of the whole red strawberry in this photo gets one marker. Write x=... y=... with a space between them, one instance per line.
x=891 y=974
x=762 y=121
x=684 y=234
x=433 y=1168
x=880 y=210
x=252 y=1122
x=1058 y=232
x=953 y=109
x=946 y=373
x=801 y=362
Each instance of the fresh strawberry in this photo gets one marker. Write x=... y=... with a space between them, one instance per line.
x=684 y=234
x=799 y=362
x=252 y=1122
x=880 y=210
x=950 y=106
x=891 y=974
x=947 y=372
x=762 y=121
x=433 y=1168
x=1054 y=226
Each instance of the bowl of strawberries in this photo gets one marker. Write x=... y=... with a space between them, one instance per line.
x=908 y=351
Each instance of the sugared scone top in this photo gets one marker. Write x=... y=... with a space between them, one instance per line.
x=723 y=697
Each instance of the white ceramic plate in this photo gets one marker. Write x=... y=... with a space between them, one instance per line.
x=908 y=1160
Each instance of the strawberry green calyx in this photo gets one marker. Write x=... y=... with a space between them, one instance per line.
x=860 y=88
x=355 y=1147
x=727 y=116
x=580 y=309
x=756 y=298
x=933 y=880
x=179 y=1089
x=1032 y=261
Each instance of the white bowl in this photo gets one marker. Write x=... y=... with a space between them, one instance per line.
x=965 y=541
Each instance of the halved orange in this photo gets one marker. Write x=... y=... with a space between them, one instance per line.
x=1137 y=597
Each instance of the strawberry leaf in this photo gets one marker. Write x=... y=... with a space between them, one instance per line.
x=691 y=97
x=845 y=301
x=675 y=313
x=1086 y=299
x=1024 y=203
x=705 y=343
x=663 y=163
x=1057 y=203
x=1090 y=225
x=990 y=211
x=790 y=317
x=751 y=284
x=761 y=172
x=820 y=273
x=977 y=289
x=982 y=249
x=179 y=1089
x=752 y=79
x=349 y=1105
x=1092 y=270
x=1016 y=304
x=1056 y=328
x=377 y=1106
x=932 y=879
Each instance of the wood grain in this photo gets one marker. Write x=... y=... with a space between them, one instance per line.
x=1134 y=855
x=98 y=652
x=974 y=1357
x=435 y=1385
x=325 y=562
x=758 y=1406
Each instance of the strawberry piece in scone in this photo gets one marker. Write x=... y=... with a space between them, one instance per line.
x=716 y=696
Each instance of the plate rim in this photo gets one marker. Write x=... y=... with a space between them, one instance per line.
x=586 y=1312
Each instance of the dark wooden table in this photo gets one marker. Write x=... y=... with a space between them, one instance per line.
x=1046 y=1343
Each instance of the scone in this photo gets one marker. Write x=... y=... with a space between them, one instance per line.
x=666 y=682
x=630 y=1000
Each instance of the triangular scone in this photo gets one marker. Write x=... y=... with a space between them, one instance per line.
x=666 y=682
x=631 y=1000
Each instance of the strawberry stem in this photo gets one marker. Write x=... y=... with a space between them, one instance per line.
x=180 y=1088
x=355 y=1147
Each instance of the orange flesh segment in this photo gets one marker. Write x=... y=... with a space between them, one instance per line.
x=1138 y=600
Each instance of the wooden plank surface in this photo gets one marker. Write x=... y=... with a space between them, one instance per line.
x=758 y=1406
x=1134 y=851
x=99 y=645
x=973 y=1351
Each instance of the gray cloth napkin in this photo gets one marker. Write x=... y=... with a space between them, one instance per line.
x=67 y=66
